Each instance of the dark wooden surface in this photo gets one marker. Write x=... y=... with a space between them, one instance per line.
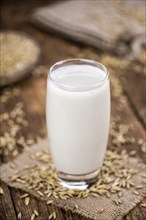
x=16 y=15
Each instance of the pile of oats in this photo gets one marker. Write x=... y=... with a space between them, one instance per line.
x=17 y=52
x=113 y=178
x=12 y=122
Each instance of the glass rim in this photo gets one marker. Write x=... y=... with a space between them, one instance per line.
x=76 y=61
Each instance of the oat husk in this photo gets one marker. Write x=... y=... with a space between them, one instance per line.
x=111 y=204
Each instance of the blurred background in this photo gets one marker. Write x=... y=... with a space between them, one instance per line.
x=36 y=34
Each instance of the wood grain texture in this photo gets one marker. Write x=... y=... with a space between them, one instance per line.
x=7 y=209
x=32 y=94
x=135 y=83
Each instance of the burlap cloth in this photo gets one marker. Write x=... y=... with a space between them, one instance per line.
x=88 y=206
x=109 y=25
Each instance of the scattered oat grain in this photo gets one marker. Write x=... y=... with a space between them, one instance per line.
x=33 y=216
x=54 y=215
x=135 y=192
x=139 y=187
x=24 y=195
x=26 y=201
x=40 y=193
x=36 y=212
x=101 y=210
x=49 y=202
x=1 y=191
x=76 y=206
x=51 y=216
x=143 y=205
x=19 y=215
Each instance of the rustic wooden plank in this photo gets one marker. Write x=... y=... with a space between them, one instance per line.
x=11 y=201
x=46 y=210
x=138 y=213
x=35 y=111
x=68 y=215
x=20 y=206
x=6 y=204
x=134 y=86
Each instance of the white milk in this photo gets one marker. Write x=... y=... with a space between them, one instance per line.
x=78 y=121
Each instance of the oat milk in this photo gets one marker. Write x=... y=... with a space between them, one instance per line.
x=78 y=121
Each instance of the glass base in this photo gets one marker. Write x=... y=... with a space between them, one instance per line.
x=78 y=181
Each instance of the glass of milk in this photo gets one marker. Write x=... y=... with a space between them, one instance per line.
x=78 y=116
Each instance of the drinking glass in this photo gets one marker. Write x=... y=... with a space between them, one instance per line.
x=78 y=117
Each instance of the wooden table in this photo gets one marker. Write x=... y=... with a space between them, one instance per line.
x=15 y=15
